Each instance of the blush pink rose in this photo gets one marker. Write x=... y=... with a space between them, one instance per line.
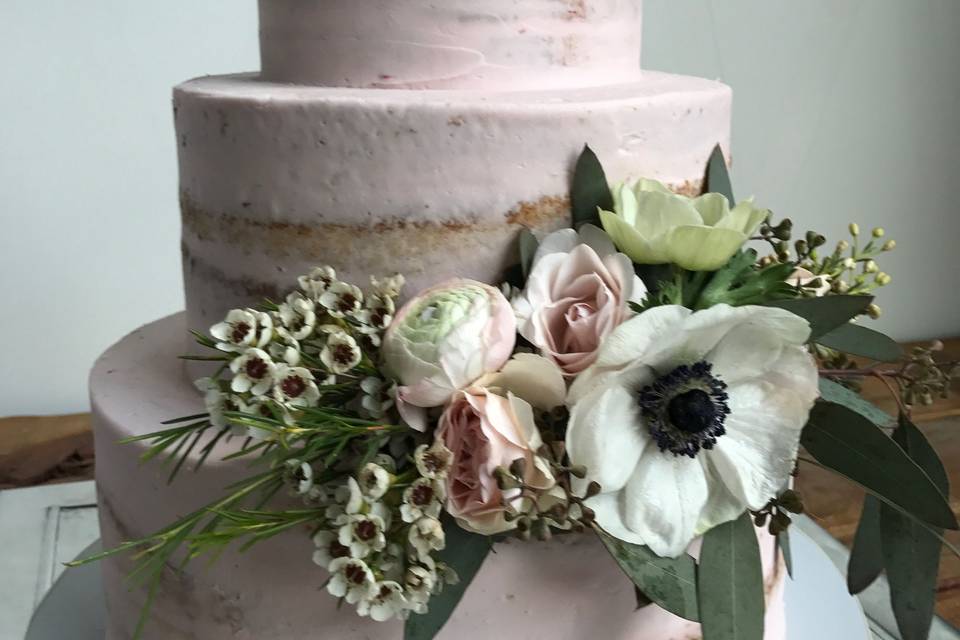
x=484 y=431
x=577 y=293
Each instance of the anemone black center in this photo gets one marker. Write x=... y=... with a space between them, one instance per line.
x=692 y=411
x=685 y=409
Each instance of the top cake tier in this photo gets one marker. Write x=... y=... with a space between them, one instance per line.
x=450 y=44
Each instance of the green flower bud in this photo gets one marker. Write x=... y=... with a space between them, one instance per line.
x=870 y=267
x=889 y=245
x=854 y=229
x=878 y=232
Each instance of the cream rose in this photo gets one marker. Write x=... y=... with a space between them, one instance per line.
x=486 y=427
x=577 y=294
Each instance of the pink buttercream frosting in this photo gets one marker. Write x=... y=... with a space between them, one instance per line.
x=464 y=44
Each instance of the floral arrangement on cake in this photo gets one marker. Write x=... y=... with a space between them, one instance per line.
x=642 y=376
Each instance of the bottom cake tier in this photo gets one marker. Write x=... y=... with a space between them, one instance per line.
x=567 y=589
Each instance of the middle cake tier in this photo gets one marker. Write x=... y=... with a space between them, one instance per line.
x=276 y=179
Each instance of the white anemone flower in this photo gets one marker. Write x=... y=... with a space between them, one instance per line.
x=688 y=419
x=253 y=372
x=243 y=329
x=351 y=579
x=295 y=386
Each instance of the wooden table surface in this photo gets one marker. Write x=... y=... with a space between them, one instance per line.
x=43 y=450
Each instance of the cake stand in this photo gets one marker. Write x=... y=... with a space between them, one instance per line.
x=818 y=605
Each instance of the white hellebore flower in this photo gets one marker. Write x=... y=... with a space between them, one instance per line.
x=374 y=480
x=243 y=329
x=419 y=583
x=315 y=283
x=426 y=535
x=653 y=225
x=298 y=315
x=363 y=534
x=688 y=419
x=579 y=290
x=422 y=498
x=342 y=299
x=444 y=339
x=389 y=287
x=253 y=372
x=295 y=386
x=817 y=284
x=300 y=474
x=351 y=579
x=217 y=402
x=328 y=548
x=388 y=602
x=341 y=353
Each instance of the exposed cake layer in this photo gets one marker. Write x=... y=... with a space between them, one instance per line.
x=494 y=44
x=276 y=179
x=275 y=592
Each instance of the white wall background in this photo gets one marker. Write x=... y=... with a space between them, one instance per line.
x=844 y=110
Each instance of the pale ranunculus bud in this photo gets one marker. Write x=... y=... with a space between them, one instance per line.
x=443 y=340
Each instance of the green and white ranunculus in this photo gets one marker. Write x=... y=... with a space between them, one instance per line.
x=443 y=340
x=653 y=225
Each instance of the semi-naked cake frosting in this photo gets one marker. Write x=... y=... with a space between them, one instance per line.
x=384 y=136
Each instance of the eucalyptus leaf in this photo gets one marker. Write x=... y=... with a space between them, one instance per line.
x=911 y=553
x=783 y=542
x=838 y=394
x=862 y=341
x=717 y=179
x=465 y=553
x=669 y=582
x=528 y=250
x=590 y=191
x=866 y=556
x=827 y=313
x=641 y=598
x=843 y=440
x=730 y=582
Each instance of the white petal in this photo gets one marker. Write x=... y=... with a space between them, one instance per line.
x=756 y=456
x=633 y=338
x=722 y=506
x=663 y=500
x=598 y=240
x=607 y=435
x=609 y=515
x=534 y=378
x=562 y=241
